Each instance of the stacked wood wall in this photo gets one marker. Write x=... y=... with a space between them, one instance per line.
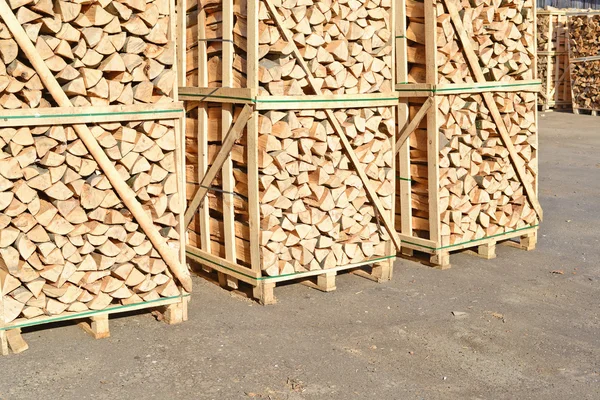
x=68 y=242
x=553 y=59
x=457 y=183
x=312 y=209
x=584 y=58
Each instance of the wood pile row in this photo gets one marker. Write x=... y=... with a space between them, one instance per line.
x=480 y=193
x=314 y=210
x=67 y=241
x=503 y=38
x=315 y=213
x=347 y=46
x=101 y=52
x=553 y=60
x=584 y=41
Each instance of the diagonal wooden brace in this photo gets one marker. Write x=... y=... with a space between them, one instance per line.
x=232 y=136
x=126 y=194
x=387 y=222
x=413 y=124
x=473 y=60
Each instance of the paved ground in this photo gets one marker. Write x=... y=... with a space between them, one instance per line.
x=528 y=333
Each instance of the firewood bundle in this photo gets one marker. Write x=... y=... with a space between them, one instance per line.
x=503 y=39
x=584 y=31
x=313 y=209
x=586 y=84
x=584 y=36
x=346 y=45
x=67 y=243
x=101 y=52
x=315 y=213
x=480 y=193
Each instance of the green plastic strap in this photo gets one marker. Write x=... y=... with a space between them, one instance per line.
x=325 y=100
x=471 y=241
x=263 y=278
x=89 y=114
x=255 y=101
x=401 y=37
x=450 y=89
x=85 y=314
x=403 y=179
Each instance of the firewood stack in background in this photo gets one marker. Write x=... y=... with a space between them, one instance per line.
x=468 y=160
x=584 y=58
x=68 y=242
x=313 y=210
x=553 y=59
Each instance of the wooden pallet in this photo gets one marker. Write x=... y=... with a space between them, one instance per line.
x=425 y=220
x=585 y=111
x=484 y=248
x=262 y=289
x=171 y=310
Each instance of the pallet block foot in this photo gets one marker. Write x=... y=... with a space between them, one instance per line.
x=176 y=313
x=227 y=282
x=380 y=272
x=487 y=251
x=326 y=282
x=575 y=111
x=407 y=252
x=15 y=342
x=264 y=293
x=440 y=260
x=3 y=343
x=97 y=326
x=528 y=242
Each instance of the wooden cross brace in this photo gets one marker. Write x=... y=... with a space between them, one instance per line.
x=338 y=129
x=413 y=124
x=232 y=136
x=126 y=194
x=473 y=61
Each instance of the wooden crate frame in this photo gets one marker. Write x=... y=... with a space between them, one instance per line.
x=557 y=59
x=95 y=322
x=573 y=61
x=431 y=92
x=229 y=271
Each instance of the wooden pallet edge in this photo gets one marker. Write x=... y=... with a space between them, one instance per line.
x=95 y=322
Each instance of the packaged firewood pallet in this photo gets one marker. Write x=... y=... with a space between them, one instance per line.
x=91 y=188
x=553 y=59
x=584 y=59
x=467 y=141
x=289 y=139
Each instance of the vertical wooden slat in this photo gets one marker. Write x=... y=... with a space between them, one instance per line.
x=252 y=140
x=226 y=122
x=202 y=127
x=403 y=119
x=432 y=124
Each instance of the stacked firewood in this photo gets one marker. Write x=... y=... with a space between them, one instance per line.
x=102 y=53
x=502 y=36
x=315 y=213
x=584 y=36
x=314 y=210
x=346 y=45
x=67 y=241
x=480 y=193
